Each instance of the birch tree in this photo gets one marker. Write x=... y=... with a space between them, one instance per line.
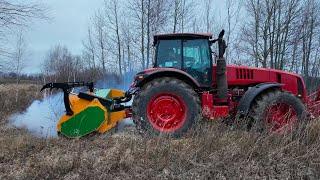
x=101 y=38
x=89 y=50
x=138 y=11
x=17 y=15
x=112 y=11
x=19 y=55
x=310 y=22
x=270 y=30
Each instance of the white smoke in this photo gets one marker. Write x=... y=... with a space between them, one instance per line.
x=112 y=81
x=41 y=117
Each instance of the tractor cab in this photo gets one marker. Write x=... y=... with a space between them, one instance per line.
x=188 y=52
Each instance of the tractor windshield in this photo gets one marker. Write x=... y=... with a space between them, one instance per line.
x=190 y=55
x=169 y=54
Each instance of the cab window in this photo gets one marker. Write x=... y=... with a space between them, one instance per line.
x=196 y=58
x=169 y=54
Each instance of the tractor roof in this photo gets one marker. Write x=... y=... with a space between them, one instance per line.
x=181 y=36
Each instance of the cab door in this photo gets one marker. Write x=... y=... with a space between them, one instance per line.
x=197 y=60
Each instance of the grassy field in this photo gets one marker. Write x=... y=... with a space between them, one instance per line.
x=13 y=81
x=210 y=151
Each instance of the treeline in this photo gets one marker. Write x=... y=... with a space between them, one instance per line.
x=15 y=16
x=13 y=76
x=61 y=65
x=283 y=34
x=119 y=38
x=280 y=34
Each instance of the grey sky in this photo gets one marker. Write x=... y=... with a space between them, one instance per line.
x=68 y=26
x=70 y=19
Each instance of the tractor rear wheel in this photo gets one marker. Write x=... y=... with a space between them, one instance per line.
x=166 y=106
x=277 y=112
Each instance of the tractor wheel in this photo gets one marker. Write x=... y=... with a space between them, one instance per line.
x=166 y=106
x=277 y=112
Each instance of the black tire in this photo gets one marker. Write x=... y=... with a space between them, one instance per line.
x=261 y=105
x=169 y=85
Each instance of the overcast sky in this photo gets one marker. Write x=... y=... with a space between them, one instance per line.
x=68 y=26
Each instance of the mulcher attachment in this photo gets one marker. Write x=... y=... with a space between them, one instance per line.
x=92 y=111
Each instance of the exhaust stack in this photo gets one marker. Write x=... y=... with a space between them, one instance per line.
x=222 y=84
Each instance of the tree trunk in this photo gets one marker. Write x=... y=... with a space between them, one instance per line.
x=148 y=34
x=142 y=34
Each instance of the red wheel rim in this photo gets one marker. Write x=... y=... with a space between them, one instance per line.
x=166 y=112
x=281 y=118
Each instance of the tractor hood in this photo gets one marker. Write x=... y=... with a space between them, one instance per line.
x=244 y=76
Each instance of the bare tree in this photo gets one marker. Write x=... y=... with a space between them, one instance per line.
x=60 y=64
x=89 y=49
x=142 y=33
x=101 y=38
x=19 y=58
x=89 y=55
x=270 y=30
x=157 y=18
x=17 y=14
x=208 y=15
x=181 y=13
x=310 y=21
x=127 y=43
x=19 y=55
x=176 y=14
x=233 y=12
x=275 y=33
x=187 y=13
x=114 y=26
x=148 y=31
x=138 y=10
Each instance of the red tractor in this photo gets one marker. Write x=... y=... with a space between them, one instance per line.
x=187 y=84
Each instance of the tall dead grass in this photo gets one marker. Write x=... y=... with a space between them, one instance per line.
x=11 y=103
x=212 y=151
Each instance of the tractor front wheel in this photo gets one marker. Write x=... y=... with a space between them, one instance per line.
x=166 y=106
x=278 y=112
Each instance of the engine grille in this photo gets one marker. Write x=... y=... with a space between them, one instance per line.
x=244 y=73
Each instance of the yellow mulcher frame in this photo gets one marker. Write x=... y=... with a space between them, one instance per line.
x=111 y=118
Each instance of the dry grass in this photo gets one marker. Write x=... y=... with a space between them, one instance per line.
x=215 y=151
x=8 y=97
x=13 y=81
